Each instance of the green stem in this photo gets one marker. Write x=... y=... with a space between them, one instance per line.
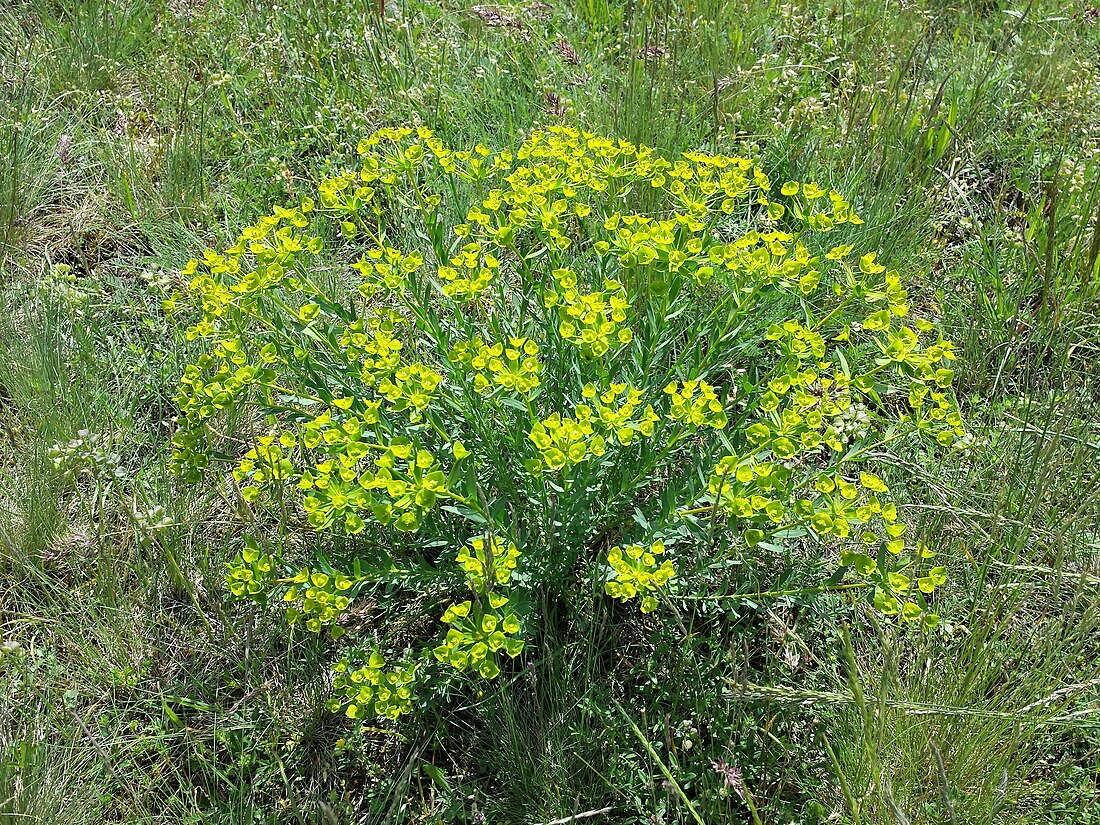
x=772 y=594
x=656 y=758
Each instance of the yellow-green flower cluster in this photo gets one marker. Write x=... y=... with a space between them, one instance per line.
x=563 y=441
x=392 y=153
x=767 y=492
x=618 y=412
x=594 y=322
x=478 y=632
x=748 y=489
x=796 y=412
x=577 y=161
x=940 y=418
x=805 y=202
x=386 y=269
x=339 y=437
x=375 y=353
x=514 y=367
x=766 y=496
x=404 y=486
x=317 y=599
x=766 y=258
x=345 y=195
x=249 y=575
x=374 y=689
x=613 y=416
x=410 y=389
x=478 y=556
x=265 y=462
x=275 y=248
x=640 y=240
x=801 y=405
x=796 y=341
x=201 y=395
x=470 y=273
x=894 y=594
x=933 y=411
x=841 y=503
x=635 y=571
x=696 y=403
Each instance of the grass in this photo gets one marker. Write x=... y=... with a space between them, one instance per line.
x=136 y=132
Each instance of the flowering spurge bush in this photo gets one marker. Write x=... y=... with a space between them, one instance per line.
x=486 y=367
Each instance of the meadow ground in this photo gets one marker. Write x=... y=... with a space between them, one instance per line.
x=136 y=133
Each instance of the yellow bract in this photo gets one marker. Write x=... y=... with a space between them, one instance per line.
x=373 y=689
x=317 y=599
x=594 y=322
x=514 y=367
x=478 y=556
x=386 y=269
x=613 y=416
x=410 y=389
x=470 y=273
x=696 y=403
x=635 y=571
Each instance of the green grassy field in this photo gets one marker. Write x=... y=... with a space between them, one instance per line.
x=136 y=133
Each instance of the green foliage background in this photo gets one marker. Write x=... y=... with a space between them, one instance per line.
x=137 y=133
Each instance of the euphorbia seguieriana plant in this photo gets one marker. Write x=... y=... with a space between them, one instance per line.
x=576 y=364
